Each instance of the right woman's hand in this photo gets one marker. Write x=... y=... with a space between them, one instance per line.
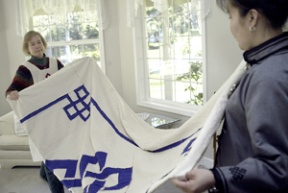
x=13 y=95
x=196 y=181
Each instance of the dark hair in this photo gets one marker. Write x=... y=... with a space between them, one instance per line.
x=28 y=36
x=276 y=11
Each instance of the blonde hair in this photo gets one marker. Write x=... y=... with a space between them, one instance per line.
x=28 y=36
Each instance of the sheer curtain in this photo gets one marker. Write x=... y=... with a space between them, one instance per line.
x=29 y=8
x=160 y=5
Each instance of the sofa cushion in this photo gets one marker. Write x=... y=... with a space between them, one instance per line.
x=7 y=124
x=14 y=142
x=10 y=124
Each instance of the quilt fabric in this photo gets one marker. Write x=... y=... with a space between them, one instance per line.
x=89 y=137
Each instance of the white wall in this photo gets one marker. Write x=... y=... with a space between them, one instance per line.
x=223 y=54
x=14 y=42
x=11 y=55
x=112 y=46
x=4 y=63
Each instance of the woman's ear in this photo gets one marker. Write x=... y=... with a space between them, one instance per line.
x=253 y=17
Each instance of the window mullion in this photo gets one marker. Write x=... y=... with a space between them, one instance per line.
x=73 y=42
x=165 y=28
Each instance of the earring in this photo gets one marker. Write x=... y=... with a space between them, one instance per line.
x=252 y=28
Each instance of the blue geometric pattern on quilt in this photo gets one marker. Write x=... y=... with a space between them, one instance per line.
x=80 y=106
x=100 y=177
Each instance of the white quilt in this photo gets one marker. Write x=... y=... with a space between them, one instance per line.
x=90 y=138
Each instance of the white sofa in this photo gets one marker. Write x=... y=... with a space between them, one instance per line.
x=14 y=149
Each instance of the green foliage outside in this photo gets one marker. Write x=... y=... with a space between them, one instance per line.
x=195 y=77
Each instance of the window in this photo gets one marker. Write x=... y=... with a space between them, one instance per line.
x=70 y=28
x=170 y=56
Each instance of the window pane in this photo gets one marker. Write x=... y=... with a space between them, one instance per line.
x=67 y=54
x=156 y=86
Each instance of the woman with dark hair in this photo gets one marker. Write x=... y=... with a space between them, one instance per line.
x=252 y=155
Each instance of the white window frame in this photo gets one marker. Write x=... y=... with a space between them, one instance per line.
x=142 y=86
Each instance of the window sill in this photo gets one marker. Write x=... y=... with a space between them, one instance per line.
x=184 y=109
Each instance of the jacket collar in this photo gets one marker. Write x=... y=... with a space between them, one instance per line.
x=266 y=49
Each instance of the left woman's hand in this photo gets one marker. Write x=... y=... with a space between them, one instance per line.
x=13 y=95
x=197 y=181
